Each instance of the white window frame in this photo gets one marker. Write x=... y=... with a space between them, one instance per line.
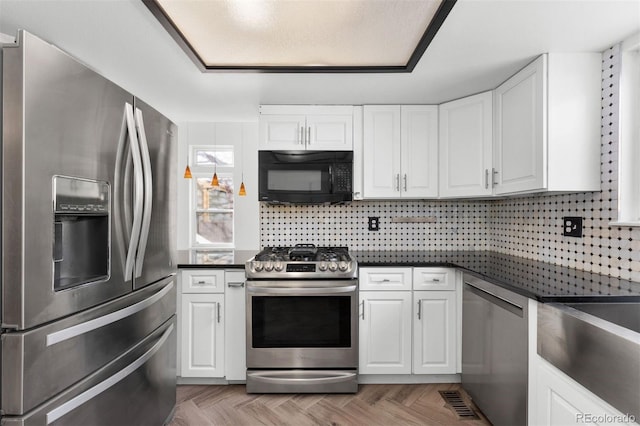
x=207 y=172
x=629 y=134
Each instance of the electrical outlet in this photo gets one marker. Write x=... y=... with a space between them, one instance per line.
x=374 y=223
x=572 y=226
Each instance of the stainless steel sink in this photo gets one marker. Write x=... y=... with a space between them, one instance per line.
x=596 y=344
x=626 y=315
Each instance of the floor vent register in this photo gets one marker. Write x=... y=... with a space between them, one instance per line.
x=454 y=401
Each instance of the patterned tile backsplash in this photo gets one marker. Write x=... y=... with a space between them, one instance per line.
x=528 y=227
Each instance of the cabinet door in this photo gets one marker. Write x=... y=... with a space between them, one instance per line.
x=329 y=132
x=282 y=132
x=202 y=335
x=561 y=401
x=381 y=168
x=465 y=146
x=519 y=158
x=419 y=151
x=434 y=332
x=385 y=332
x=235 y=342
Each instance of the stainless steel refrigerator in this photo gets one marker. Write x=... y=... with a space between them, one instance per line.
x=88 y=246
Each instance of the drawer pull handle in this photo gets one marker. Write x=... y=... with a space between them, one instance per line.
x=436 y=280
x=238 y=284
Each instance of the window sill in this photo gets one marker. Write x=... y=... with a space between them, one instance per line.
x=624 y=224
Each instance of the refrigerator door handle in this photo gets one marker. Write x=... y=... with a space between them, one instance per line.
x=122 y=203
x=96 y=390
x=86 y=327
x=148 y=193
x=137 y=193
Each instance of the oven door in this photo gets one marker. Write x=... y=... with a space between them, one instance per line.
x=308 y=324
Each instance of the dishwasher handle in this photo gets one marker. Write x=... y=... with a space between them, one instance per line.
x=506 y=304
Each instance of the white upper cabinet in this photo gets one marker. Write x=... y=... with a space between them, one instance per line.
x=547 y=126
x=282 y=132
x=400 y=151
x=466 y=137
x=381 y=151
x=419 y=151
x=306 y=127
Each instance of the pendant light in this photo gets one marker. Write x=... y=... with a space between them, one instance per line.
x=187 y=170
x=214 y=179
x=243 y=191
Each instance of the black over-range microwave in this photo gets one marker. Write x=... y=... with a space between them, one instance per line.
x=305 y=177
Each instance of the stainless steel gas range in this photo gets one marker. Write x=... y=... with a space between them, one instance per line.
x=302 y=333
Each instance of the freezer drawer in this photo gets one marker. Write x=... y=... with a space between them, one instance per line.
x=138 y=388
x=39 y=363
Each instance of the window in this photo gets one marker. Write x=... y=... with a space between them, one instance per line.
x=212 y=208
x=629 y=134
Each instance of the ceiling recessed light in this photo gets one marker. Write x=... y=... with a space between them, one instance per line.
x=299 y=35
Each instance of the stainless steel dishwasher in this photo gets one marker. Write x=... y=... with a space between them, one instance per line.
x=494 y=350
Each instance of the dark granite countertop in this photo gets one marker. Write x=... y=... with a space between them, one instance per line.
x=214 y=259
x=542 y=281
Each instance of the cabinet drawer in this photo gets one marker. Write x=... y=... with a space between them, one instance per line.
x=202 y=281
x=385 y=279
x=434 y=279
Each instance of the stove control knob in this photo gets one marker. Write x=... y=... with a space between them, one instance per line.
x=322 y=266
x=343 y=266
x=279 y=266
x=268 y=266
x=257 y=266
x=333 y=266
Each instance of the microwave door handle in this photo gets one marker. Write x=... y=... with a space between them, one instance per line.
x=148 y=193
x=137 y=193
x=331 y=178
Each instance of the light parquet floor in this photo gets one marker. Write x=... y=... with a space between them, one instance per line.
x=384 y=405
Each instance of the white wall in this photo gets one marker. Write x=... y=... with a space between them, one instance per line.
x=244 y=138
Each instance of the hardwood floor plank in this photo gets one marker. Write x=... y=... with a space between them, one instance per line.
x=294 y=415
x=187 y=414
x=373 y=405
x=306 y=400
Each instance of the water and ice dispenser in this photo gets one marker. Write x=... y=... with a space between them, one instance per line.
x=81 y=253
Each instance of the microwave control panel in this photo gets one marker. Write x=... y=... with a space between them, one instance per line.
x=342 y=178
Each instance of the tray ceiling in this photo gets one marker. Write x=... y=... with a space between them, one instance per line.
x=303 y=36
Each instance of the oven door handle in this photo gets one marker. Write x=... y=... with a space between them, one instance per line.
x=293 y=291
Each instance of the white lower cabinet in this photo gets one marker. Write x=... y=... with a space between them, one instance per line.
x=409 y=331
x=385 y=332
x=211 y=319
x=561 y=401
x=202 y=326
x=235 y=330
x=434 y=332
